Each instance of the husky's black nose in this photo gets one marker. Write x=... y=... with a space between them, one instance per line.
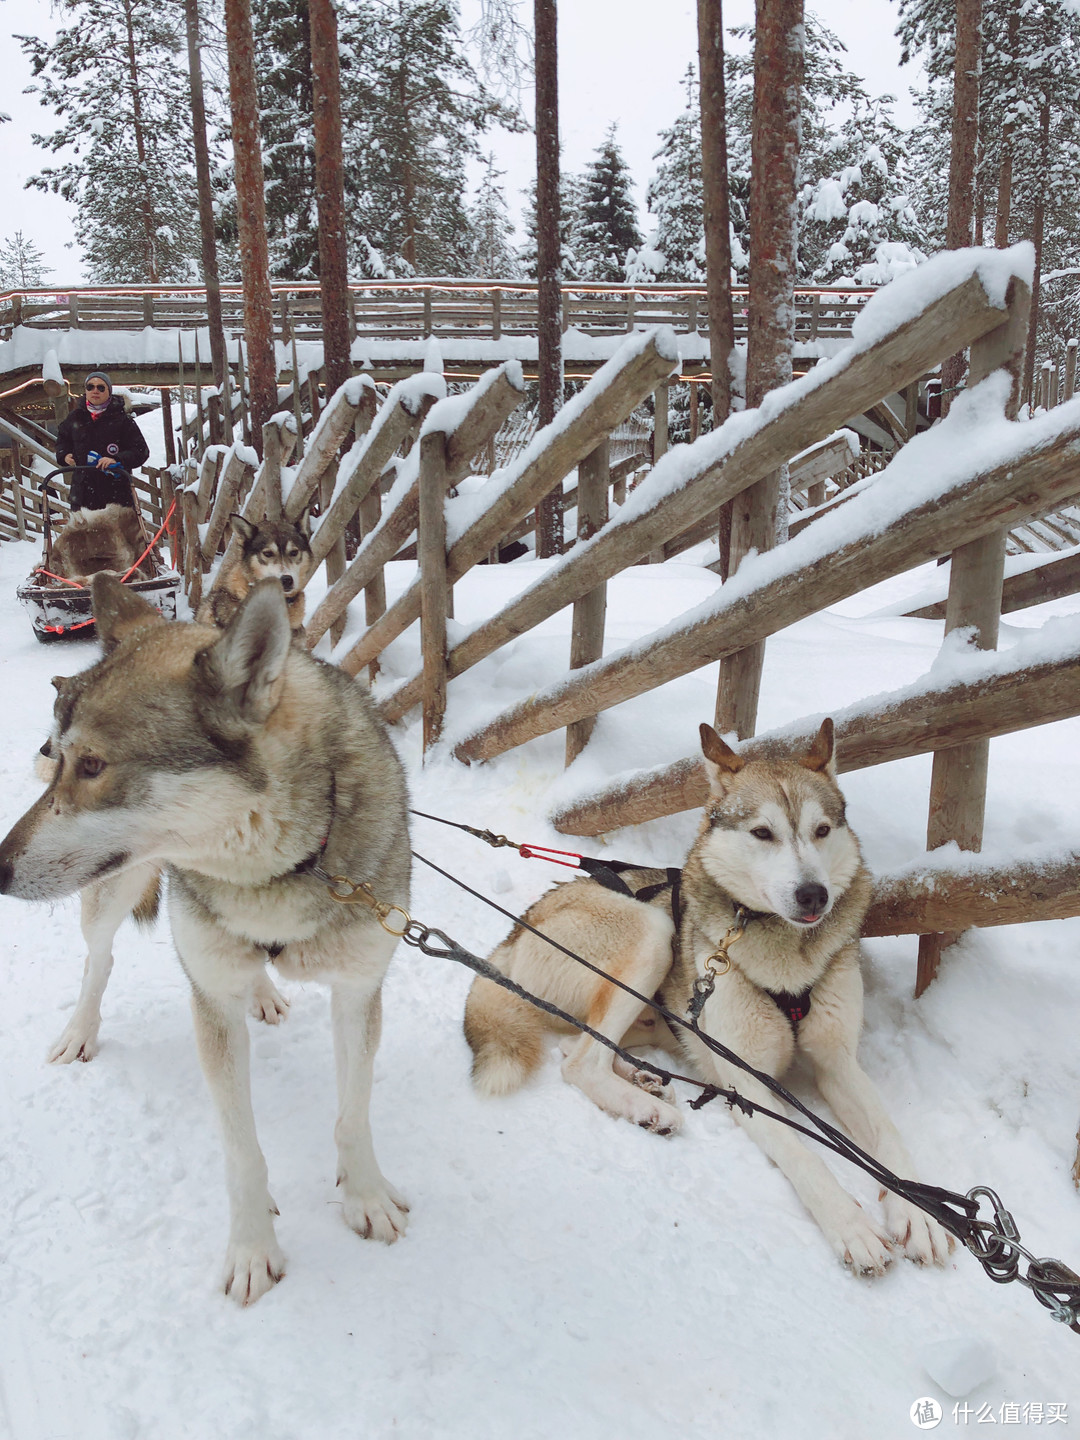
x=287 y=582
x=811 y=898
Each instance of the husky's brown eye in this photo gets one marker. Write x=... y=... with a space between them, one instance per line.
x=822 y=831
x=88 y=767
x=762 y=833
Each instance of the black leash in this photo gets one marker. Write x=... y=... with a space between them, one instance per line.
x=994 y=1243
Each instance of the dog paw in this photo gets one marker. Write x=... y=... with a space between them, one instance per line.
x=78 y=1042
x=919 y=1236
x=650 y=1112
x=377 y=1214
x=267 y=1002
x=251 y=1270
x=645 y=1080
x=861 y=1245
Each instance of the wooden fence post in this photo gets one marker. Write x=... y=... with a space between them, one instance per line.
x=16 y=489
x=431 y=554
x=192 y=557
x=271 y=468
x=1070 y=369
x=587 y=635
x=958 y=780
x=659 y=444
x=368 y=516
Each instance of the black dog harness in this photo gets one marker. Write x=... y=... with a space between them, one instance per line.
x=609 y=873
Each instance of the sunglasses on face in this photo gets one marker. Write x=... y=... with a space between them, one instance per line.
x=96 y=387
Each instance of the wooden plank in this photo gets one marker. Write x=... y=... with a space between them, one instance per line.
x=192 y=560
x=953 y=901
x=337 y=419
x=400 y=419
x=990 y=701
x=233 y=475
x=977 y=505
x=434 y=589
x=631 y=374
x=587 y=632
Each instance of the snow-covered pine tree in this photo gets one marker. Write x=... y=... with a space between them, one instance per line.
x=858 y=224
x=609 y=228
x=286 y=119
x=676 y=248
x=493 y=256
x=570 y=193
x=114 y=75
x=853 y=180
x=22 y=264
x=1028 y=145
x=412 y=108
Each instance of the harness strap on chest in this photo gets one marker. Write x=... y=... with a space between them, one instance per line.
x=795 y=1007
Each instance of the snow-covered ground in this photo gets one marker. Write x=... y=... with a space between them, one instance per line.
x=564 y=1275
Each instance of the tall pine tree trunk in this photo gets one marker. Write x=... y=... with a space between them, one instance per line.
x=146 y=208
x=330 y=192
x=714 y=184
x=251 y=217
x=549 y=298
x=206 y=199
x=965 y=139
x=1037 y=236
x=779 y=38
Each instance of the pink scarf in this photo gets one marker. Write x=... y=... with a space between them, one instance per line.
x=97 y=410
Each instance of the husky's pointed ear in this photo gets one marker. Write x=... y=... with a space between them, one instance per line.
x=118 y=611
x=721 y=762
x=303 y=524
x=243 y=529
x=821 y=755
x=247 y=663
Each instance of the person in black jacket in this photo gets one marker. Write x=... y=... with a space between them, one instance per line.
x=98 y=436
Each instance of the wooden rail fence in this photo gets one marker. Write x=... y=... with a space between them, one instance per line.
x=412 y=446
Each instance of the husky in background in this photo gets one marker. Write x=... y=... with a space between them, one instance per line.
x=242 y=765
x=272 y=549
x=94 y=540
x=774 y=845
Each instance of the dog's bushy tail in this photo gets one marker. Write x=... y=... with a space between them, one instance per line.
x=506 y=1036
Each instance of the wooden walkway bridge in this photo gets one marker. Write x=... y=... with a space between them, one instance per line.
x=478 y=323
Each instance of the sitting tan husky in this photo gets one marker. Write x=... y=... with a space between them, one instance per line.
x=775 y=853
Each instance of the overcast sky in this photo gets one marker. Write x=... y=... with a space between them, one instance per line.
x=620 y=60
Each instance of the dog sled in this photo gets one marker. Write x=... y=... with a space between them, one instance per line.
x=59 y=605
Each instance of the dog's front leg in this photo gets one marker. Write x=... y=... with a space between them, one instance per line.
x=829 y=1037
x=253 y=1261
x=103 y=908
x=855 y=1102
x=855 y=1238
x=372 y=1207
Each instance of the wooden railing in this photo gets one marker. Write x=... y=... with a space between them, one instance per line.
x=416 y=309
x=410 y=451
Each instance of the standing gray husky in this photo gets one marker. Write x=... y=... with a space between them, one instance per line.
x=247 y=769
x=774 y=890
